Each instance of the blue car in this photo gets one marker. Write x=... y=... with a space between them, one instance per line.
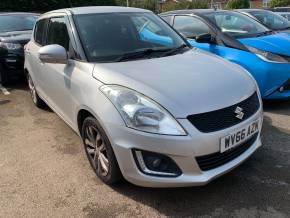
x=242 y=40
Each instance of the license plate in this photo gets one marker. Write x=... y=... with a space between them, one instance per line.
x=230 y=141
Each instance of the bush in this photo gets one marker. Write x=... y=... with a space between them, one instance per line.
x=236 y=4
x=48 y=5
x=196 y=4
x=279 y=3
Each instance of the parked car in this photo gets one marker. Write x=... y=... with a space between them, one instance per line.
x=242 y=40
x=270 y=19
x=15 y=32
x=281 y=9
x=284 y=14
x=158 y=113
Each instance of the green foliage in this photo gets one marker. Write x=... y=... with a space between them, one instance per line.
x=279 y=3
x=195 y=4
x=48 y=5
x=236 y=4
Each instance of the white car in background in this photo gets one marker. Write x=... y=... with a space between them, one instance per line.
x=147 y=106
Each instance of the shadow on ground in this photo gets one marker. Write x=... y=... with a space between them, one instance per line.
x=277 y=106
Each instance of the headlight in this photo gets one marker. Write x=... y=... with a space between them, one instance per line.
x=142 y=113
x=267 y=56
x=10 y=46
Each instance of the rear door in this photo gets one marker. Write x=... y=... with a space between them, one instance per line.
x=33 y=63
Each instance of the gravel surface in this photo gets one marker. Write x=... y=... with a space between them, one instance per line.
x=44 y=173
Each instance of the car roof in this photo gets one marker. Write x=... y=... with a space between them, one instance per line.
x=19 y=13
x=98 y=9
x=189 y=11
x=249 y=10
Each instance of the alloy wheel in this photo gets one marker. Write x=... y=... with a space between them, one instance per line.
x=97 y=151
x=32 y=89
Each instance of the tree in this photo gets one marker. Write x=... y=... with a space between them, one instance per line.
x=48 y=5
x=195 y=4
x=279 y=3
x=236 y=4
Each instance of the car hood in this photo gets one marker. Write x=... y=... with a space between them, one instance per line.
x=16 y=36
x=277 y=43
x=189 y=83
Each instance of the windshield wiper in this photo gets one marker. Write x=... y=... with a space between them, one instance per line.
x=175 y=50
x=268 y=32
x=139 y=54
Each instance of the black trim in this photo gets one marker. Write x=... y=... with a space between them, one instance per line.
x=224 y=118
x=178 y=172
x=214 y=160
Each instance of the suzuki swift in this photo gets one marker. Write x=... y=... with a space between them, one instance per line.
x=147 y=106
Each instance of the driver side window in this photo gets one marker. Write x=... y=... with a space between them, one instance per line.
x=190 y=26
x=58 y=33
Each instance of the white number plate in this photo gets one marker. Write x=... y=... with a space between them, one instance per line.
x=238 y=137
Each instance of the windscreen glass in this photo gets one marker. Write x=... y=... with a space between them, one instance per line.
x=109 y=37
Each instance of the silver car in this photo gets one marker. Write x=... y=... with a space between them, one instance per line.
x=148 y=107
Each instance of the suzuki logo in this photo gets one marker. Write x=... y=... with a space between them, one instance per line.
x=239 y=113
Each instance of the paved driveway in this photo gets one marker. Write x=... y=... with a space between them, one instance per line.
x=44 y=173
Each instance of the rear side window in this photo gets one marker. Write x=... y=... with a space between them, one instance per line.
x=167 y=19
x=190 y=27
x=58 y=33
x=39 y=31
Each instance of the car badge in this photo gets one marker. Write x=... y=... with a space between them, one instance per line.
x=239 y=113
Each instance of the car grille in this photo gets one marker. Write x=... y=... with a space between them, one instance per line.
x=226 y=117
x=214 y=160
x=286 y=86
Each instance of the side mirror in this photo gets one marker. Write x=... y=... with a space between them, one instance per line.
x=205 y=38
x=54 y=54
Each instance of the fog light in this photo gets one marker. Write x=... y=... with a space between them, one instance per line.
x=281 y=89
x=156 y=164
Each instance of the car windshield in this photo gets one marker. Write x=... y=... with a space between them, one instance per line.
x=9 y=23
x=236 y=24
x=271 y=20
x=111 y=37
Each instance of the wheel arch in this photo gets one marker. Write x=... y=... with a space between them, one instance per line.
x=82 y=114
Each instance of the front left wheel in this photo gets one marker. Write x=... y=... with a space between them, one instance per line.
x=99 y=152
x=35 y=97
x=3 y=76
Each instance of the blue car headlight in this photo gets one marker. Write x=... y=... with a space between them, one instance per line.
x=268 y=56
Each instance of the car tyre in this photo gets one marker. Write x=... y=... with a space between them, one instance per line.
x=35 y=97
x=3 y=76
x=99 y=152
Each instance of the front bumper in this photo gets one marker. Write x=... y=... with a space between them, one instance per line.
x=271 y=77
x=12 y=64
x=181 y=149
x=283 y=92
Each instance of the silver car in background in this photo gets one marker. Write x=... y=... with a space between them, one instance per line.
x=147 y=106
x=284 y=14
